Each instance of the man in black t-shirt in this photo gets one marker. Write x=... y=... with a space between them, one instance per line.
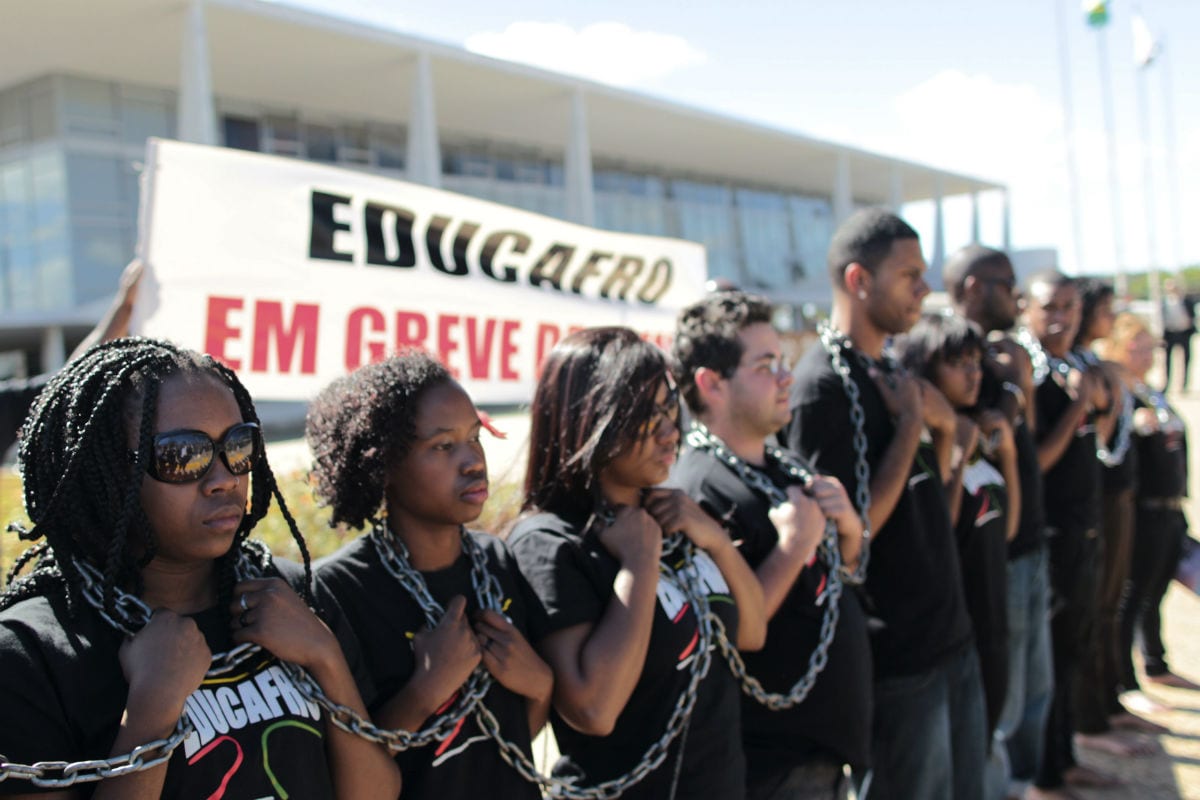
x=982 y=286
x=731 y=373
x=1066 y=397
x=928 y=737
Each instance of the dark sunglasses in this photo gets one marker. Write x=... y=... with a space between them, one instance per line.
x=186 y=456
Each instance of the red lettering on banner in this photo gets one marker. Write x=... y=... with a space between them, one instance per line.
x=411 y=329
x=446 y=345
x=479 y=354
x=376 y=349
x=218 y=330
x=547 y=337
x=269 y=324
x=508 y=349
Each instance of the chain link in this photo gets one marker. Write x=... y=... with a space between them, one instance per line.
x=834 y=343
x=131 y=616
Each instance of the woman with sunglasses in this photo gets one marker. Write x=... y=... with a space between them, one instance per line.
x=434 y=606
x=138 y=461
x=623 y=636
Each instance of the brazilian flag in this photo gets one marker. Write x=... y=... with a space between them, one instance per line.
x=1096 y=12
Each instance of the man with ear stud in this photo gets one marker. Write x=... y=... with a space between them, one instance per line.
x=855 y=413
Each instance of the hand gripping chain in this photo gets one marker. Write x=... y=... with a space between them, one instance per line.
x=701 y=438
x=131 y=615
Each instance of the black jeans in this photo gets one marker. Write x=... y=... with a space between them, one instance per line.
x=1157 y=546
x=1074 y=571
x=1182 y=340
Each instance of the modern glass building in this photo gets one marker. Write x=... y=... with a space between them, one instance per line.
x=75 y=112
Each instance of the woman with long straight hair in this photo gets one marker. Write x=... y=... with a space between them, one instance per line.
x=636 y=700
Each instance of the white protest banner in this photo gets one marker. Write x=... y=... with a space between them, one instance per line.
x=294 y=273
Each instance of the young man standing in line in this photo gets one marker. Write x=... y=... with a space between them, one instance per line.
x=983 y=288
x=928 y=740
x=731 y=372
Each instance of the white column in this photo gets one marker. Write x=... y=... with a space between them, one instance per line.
x=896 y=190
x=577 y=165
x=974 y=217
x=54 y=350
x=939 y=229
x=423 y=156
x=197 y=119
x=843 y=197
x=1006 y=221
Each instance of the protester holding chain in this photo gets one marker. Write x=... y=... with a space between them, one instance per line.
x=137 y=461
x=984 y=495
x=861 y=420
x=1068 y=396
x=983 y=288
x=1160 y=524
x=812 y=713
x=396 y=447
x=1101 y=720
x=636 y=703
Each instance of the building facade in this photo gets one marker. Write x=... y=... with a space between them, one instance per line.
x=75 y=113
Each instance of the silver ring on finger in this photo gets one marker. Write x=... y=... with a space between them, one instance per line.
x=242 y=604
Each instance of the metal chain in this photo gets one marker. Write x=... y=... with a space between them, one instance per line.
x=701 y=438
x=834 y=343
x=1114 y=456
x=689 y=581
x=1037 y=354
x=131 y=616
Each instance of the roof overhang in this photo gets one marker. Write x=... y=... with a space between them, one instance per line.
x=271 y=54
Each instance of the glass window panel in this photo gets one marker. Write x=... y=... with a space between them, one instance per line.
x=766 y=238
x=812 y=222
x=14 y=118
x=42 y=124
x=283 y=135
x=94 y=184
x=705 y=215
x=388 y=145
x=240 y=132
x=320 y=143
x=99 y=253
x=90 y=107
x=143 y=117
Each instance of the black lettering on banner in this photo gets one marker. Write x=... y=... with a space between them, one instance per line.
x=628 y=268
x=551 y=267
x=375 y=216
x=660 y=273
x=433 y=242
x=590 y=269
x=324 y=226
x=520 y=245
x=461 y=242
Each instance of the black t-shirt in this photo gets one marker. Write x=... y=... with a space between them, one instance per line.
x=1074 y=480
x=1031 y=530
x=913 y=587
x=834 y=721
x=63 y=694
x=384 y=617
x=1162 y=458
x=573 y=574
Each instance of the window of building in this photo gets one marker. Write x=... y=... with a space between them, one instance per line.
x=388 y=146
x=283 y=136
x=241 y=133
x=320 y=143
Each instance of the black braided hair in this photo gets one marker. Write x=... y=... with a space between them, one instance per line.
x=362 y=424
x=82 y=483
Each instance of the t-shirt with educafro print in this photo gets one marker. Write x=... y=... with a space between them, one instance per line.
x=63 y=694
x=573 y=574
x=385 y=618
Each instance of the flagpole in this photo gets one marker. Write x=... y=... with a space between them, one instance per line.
x=1171 y=159
x=1152 y=276
x=1068 y=107
x=1106 y=102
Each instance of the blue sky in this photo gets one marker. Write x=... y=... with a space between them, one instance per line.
x=963 y=84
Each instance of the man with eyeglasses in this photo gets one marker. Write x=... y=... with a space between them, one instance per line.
x=732 y=373
x=983 y=288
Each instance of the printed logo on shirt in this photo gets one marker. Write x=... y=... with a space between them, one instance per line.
x=674 y=601
x=231 y=703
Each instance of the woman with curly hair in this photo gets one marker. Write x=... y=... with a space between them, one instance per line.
x=627 y=626
x=138 y=461
x=441 y=612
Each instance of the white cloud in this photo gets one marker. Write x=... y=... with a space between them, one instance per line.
x=609 y=52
